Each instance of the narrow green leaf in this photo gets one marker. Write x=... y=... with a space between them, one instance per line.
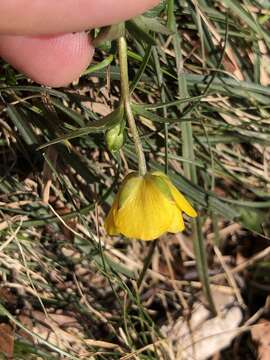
x=96 y=126
x=19 y=120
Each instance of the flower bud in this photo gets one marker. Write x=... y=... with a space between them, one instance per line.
x=115 y=138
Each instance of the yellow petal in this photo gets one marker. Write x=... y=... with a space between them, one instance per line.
x=161 y=183
x=109 y=221
x=177 y=224
x=129 y=187
x=124 y=192
x=180 y=200
x=146 y=214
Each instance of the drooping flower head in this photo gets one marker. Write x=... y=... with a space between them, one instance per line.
x=146 y=207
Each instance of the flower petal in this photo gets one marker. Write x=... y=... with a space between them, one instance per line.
x=129 y=187
x=125 y=191
x=180 y=200
x=109 y=221
x=162 y=185
x=177 y=224
x=146 y=214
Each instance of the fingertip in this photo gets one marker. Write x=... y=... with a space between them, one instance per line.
x=49 y=60
x=26 y=17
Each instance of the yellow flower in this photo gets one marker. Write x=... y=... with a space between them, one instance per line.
x=146 y=207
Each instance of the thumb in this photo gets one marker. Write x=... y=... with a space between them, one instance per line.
x=50 y=60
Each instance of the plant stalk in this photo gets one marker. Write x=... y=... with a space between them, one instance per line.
x=125 y=97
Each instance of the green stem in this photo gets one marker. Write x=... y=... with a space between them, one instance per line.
x=142 y=274
x=125 y=96
x=147 y=262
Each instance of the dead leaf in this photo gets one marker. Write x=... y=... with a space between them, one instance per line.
x=101 y=109
x=6 y=340
x=7 y=296
x=204 y=336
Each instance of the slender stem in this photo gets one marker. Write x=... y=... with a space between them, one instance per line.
x=125 y=95
x=147 y=262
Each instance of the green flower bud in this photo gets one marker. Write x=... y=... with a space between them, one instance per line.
x=115 y=138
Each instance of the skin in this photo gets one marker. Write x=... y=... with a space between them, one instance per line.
x=37 y=36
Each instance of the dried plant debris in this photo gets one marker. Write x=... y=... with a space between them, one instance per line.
x=200 y=335
x=261 y=335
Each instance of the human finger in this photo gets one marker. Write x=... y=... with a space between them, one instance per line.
x=25 y=17
x=50 y=60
